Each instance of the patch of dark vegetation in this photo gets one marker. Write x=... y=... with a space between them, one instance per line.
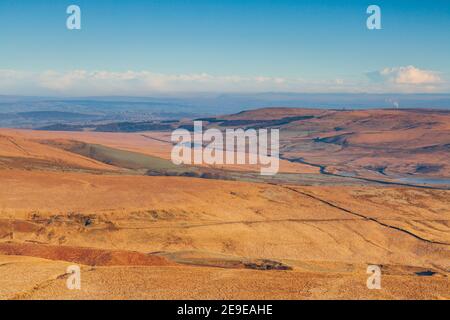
x=212 y=120
x=426 y=273
x=428 y=168
x=339 y=139
x=60 y=219
x=167 y=125
x=133 y=127
x=266 y=265
x=214 y=175
x=190 y=174
x=240 y=123
x=113 y=127
x=431 y=148
x=62 y=127
x=85 y=220
x=188 y=127
x=256 y=124
x=284 y=121
x=249 y=124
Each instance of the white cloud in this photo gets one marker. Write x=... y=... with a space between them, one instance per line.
x=407 y=79
x=102 y=82
x=411 y=75
x=408 y=75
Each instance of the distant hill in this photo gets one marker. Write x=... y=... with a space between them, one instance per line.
x=377 y=144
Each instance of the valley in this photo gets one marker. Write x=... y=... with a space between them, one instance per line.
x=142 y=228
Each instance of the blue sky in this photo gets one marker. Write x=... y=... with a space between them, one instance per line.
x=144 y=46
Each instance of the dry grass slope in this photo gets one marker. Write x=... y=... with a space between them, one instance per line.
x=172 y=237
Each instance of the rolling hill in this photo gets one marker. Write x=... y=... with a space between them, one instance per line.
x=86 y=198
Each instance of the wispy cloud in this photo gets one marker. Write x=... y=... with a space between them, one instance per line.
x=145 y=82
x=84 y=82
